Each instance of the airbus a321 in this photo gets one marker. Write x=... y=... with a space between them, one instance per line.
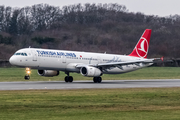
x=49 y=62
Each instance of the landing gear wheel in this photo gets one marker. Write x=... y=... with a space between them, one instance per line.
x=68 y=79
x=27 y=77
x=97 y=79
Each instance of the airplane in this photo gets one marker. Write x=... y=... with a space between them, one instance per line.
x=49 y=62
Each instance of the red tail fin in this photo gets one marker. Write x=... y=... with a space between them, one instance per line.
x=141 y=49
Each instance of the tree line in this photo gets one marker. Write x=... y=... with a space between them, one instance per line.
x=86 y=27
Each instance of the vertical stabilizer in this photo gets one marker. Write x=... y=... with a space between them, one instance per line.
x=142 y=47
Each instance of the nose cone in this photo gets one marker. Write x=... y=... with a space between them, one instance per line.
x=12 y=60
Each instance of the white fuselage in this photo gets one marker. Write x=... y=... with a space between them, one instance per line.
x=47 y=59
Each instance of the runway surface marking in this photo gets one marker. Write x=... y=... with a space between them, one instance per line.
x=28 y=85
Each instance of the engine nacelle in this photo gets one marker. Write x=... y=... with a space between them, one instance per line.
x=48 y=73
x=90 y=71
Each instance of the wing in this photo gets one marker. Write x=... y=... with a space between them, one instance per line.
x=117 y=64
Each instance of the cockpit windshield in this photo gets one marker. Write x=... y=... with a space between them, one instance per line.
x=22 y=54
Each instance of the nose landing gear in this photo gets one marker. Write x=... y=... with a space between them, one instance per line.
x=26 y=77
x=28 y=72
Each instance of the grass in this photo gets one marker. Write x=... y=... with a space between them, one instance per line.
x=99 y=104
x=17 y=74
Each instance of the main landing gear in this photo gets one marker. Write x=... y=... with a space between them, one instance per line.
x=28 y=72
x=97 y=79
x=68 y=78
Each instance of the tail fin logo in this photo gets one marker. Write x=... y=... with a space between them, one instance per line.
x=142 y=47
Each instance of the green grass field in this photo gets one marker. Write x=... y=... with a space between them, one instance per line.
x=88 y=104
x=17 y=74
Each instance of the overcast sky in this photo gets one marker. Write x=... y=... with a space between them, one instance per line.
x=148 y=7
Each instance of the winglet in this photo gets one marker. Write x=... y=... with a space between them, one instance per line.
x=142 y=47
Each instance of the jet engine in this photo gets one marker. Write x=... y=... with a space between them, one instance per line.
x=48 y=73
x=90 y=71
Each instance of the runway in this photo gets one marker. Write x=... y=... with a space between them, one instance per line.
x=28 y=85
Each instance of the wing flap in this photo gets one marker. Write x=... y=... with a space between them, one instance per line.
x=126 y=63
